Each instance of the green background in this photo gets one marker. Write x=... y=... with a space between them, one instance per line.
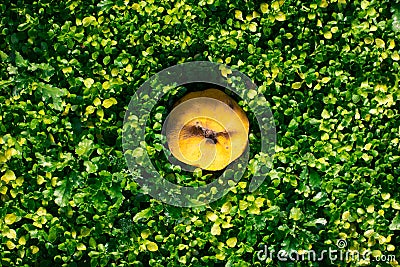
x=328 y=69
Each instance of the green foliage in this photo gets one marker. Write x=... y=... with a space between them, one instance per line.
x=329 y=69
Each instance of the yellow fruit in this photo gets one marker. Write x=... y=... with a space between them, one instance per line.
x=207 y=129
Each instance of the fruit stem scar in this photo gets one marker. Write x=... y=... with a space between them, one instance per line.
x=207 y=133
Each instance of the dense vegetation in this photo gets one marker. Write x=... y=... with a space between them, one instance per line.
x=329 y=70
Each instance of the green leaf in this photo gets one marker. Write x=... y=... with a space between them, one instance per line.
x=52 y=234
x=296 y=213
x=315 y=179
x=251 y=49
x=48 y=91
x=90 y=167
x=20 y=61
x=24 y=26
x=395 y=225
x=84 y=147
x=3 y=56
x=144 y=214
x=64 y=190
x=88 y=20
x=314 y=223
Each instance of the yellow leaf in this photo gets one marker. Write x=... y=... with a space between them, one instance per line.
x=325 y=114
x=10 y=245
x=88 y=20
x=225 y=72
x=275 y=5
x=295 y=213
x=264 y=8
x=253 y=27
x=392 y=44
x=226 y=208
x=67 y=70
x=106 y=85
x=135 y=6
x=41 y=211
x=19 y=181
x=345 y=215
x=395 y=56
x=3 y=190
x=22 y=240
x=231 y=242
x=395 y=205
x=243 y=205
x=114 y=72
x=364 y=4
x=254 y=210
x=215 y=229
x=280 y=16
x=212 y=216
x=249 y=17
x=238 y=14
x=259 y=202
x=128 y=68
x=88 y=82
x=34 y=249
x=89 y=110
x=145 y=234
x=97 y=102
x=220 y=256
x=151 y=246
x=40 y=180
x=81 y=246
x=100 y=113
x=326 y=79
x=11 y=234
x=370 y=209
x=8 y=176
x=323 y=4
x=328 y=35
x=10 y=218
x=226 y=225
x=296 y=85
x=10 y=152
x=109 y=102
x=379 y=43
x=3 y=159
x=376 y=253
x=325 y=137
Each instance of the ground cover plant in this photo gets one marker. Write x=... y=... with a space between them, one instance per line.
x=329 y=70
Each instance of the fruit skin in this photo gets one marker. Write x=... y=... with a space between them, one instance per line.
x=207 y=129
x=221 y=96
